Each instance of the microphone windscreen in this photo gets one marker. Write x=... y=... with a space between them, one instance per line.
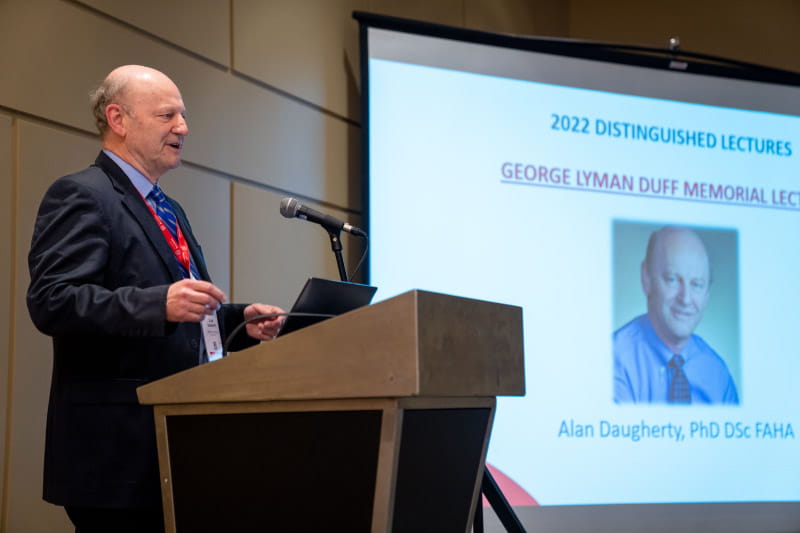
x=289 y=207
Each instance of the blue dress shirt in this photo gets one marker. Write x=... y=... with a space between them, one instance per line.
x=641 y=374
x=138 y=179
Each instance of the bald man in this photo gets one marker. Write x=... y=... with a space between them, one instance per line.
x=657 y=356
x=119 y=282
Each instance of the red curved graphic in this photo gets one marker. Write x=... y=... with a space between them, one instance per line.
x=515 y=494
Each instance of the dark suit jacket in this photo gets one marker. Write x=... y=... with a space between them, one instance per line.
x=100 y=269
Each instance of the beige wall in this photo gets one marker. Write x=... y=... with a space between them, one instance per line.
x=7 y=285
x=271 y=88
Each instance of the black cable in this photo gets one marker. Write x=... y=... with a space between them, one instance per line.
x=363 y=255
x=238 y=328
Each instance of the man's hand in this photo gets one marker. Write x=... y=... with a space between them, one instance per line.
x=190 y=300
x=266 y=328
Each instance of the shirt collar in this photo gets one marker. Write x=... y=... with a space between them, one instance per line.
x=139 y=180
x=658 y=345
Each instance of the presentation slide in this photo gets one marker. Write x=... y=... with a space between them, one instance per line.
x=651 y=243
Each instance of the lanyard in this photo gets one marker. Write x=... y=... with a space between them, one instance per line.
x=211 y=334
x=179 y=246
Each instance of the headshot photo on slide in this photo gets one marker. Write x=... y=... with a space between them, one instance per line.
x=676 y=329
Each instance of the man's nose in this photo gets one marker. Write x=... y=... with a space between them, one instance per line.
x=683 y=294
x=181 y=127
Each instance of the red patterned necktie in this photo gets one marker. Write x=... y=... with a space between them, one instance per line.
x=167 y=216
x=679 y=391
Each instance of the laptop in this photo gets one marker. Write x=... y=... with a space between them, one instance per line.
x=325 y=297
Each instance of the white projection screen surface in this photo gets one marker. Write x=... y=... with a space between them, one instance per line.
x=537 y=179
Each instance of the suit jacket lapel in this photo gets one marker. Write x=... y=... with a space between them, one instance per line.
x=138 y=209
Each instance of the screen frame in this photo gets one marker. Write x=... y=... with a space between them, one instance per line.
x=690 y=517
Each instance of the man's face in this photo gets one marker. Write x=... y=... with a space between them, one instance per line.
x=154 y=118
x=677 y=286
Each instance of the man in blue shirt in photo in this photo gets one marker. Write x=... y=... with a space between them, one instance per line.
x=657 y=356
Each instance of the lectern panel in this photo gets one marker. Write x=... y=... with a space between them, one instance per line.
x=284 y=471
x=441 y=453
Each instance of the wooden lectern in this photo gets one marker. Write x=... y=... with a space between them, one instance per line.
x=376 y=420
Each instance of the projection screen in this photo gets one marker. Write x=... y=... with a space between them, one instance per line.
x=534 y=173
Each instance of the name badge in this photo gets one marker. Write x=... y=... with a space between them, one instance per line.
x=212 y=337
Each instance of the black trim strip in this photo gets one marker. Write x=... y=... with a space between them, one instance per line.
x=642 y=56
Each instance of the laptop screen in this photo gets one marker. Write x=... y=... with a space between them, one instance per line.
x=325 y=297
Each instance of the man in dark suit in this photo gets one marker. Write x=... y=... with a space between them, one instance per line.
x=119 y=282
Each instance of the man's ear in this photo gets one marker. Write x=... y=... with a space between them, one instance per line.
x=115 y=118
x=647 y=282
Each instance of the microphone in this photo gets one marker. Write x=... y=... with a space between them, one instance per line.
x=291 y=208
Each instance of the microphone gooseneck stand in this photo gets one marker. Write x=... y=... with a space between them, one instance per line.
x=497 y=500
x=336 y=246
